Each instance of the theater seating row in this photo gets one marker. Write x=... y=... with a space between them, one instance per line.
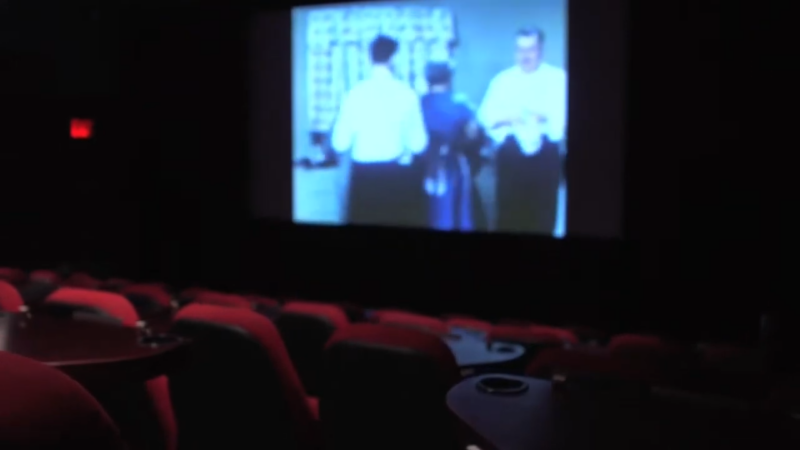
x=344 y=377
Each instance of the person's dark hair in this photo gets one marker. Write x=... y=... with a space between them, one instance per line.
x=382 y=49
x=438 y=73
x=532 y=32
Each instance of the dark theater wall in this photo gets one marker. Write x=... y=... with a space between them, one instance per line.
x=64 y=199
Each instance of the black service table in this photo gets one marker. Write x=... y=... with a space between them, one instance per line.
x=564 y=418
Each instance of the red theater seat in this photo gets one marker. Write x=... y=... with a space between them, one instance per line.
x=13 y=276
x=306 y=327
x=262 y=301
x=10 y=299
x=385 y=388
x=82 y=280
x=189 y=294
x=469 y=323
x=108 y=305
x=45 y=276
x=43 y=409
x=532 y=334
x=221 y=299
x=114 y=306
x=115 y=284
x=563 y=363
x=148 y=298
x=242 y=391
x=411 y=320
x=645 y=346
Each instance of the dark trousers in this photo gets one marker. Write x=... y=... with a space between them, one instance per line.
x=386 y=194
x=527 y=188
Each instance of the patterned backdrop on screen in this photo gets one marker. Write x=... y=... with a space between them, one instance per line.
x=338 y=50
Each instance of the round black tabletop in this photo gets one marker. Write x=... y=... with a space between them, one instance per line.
x=92 y=353
x=544 y=416
x=471 y=349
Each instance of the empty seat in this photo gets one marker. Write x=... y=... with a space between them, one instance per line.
x=384 y=387
x=12 y=275
x=242 y=391
x=45 y=276
x=306 y=327
x=645 y=346
x=42 y=409
x=10 y=298
x=87 y=303
x=411 y=320
x=563 y=363
x=532 y=334
x=148 y=299
x=222 y=299
x=354 y=312
x=82 y=280
x=115 y=284
x=189 y=294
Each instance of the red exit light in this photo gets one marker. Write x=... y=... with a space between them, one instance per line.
x=81 y=128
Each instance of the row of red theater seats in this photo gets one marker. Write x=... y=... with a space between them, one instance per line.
x=517 y=331
x=247 y=366
x=57 y=412
x=547 y=363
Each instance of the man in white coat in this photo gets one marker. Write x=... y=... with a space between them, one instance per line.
x=525 y=114
x=381 y=125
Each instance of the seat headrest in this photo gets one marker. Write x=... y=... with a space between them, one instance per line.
x=82 y=280
x=10 y=299
x=222 y=299
x=12 y=275
x=263 y=331
x=155 y=293
x=113 y=304
x=43 y=409
x=400 y=339
x=45 y=276
x=642 y=344
x=329 y=313
x=549 y=361
x=412 y=320
x=469 y=323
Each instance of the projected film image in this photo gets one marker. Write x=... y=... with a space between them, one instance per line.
x=444 y=115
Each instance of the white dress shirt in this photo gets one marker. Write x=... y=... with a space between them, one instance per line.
x=380 y=120
x=514 y=93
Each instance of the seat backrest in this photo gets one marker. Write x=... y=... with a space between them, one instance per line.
x=546 y=334
x=10 y=298
x=44 y=409
x=82 y=280
x=147 y=299
x=469 y=323
x=411 y=320
x=222 y=299
x=115 y=284
x=45 y=276
x=644 y=346
x=384 y=387
x=305 y=328
x=241 y=391
x=565 y=363
x=12 y=275
x=71 y=301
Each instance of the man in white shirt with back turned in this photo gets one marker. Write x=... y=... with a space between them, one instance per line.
x=525 y=114
x=381 y=124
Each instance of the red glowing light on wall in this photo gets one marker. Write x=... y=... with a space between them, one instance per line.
x=81 y=128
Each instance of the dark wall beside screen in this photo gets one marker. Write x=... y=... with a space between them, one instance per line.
x=162 y=192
